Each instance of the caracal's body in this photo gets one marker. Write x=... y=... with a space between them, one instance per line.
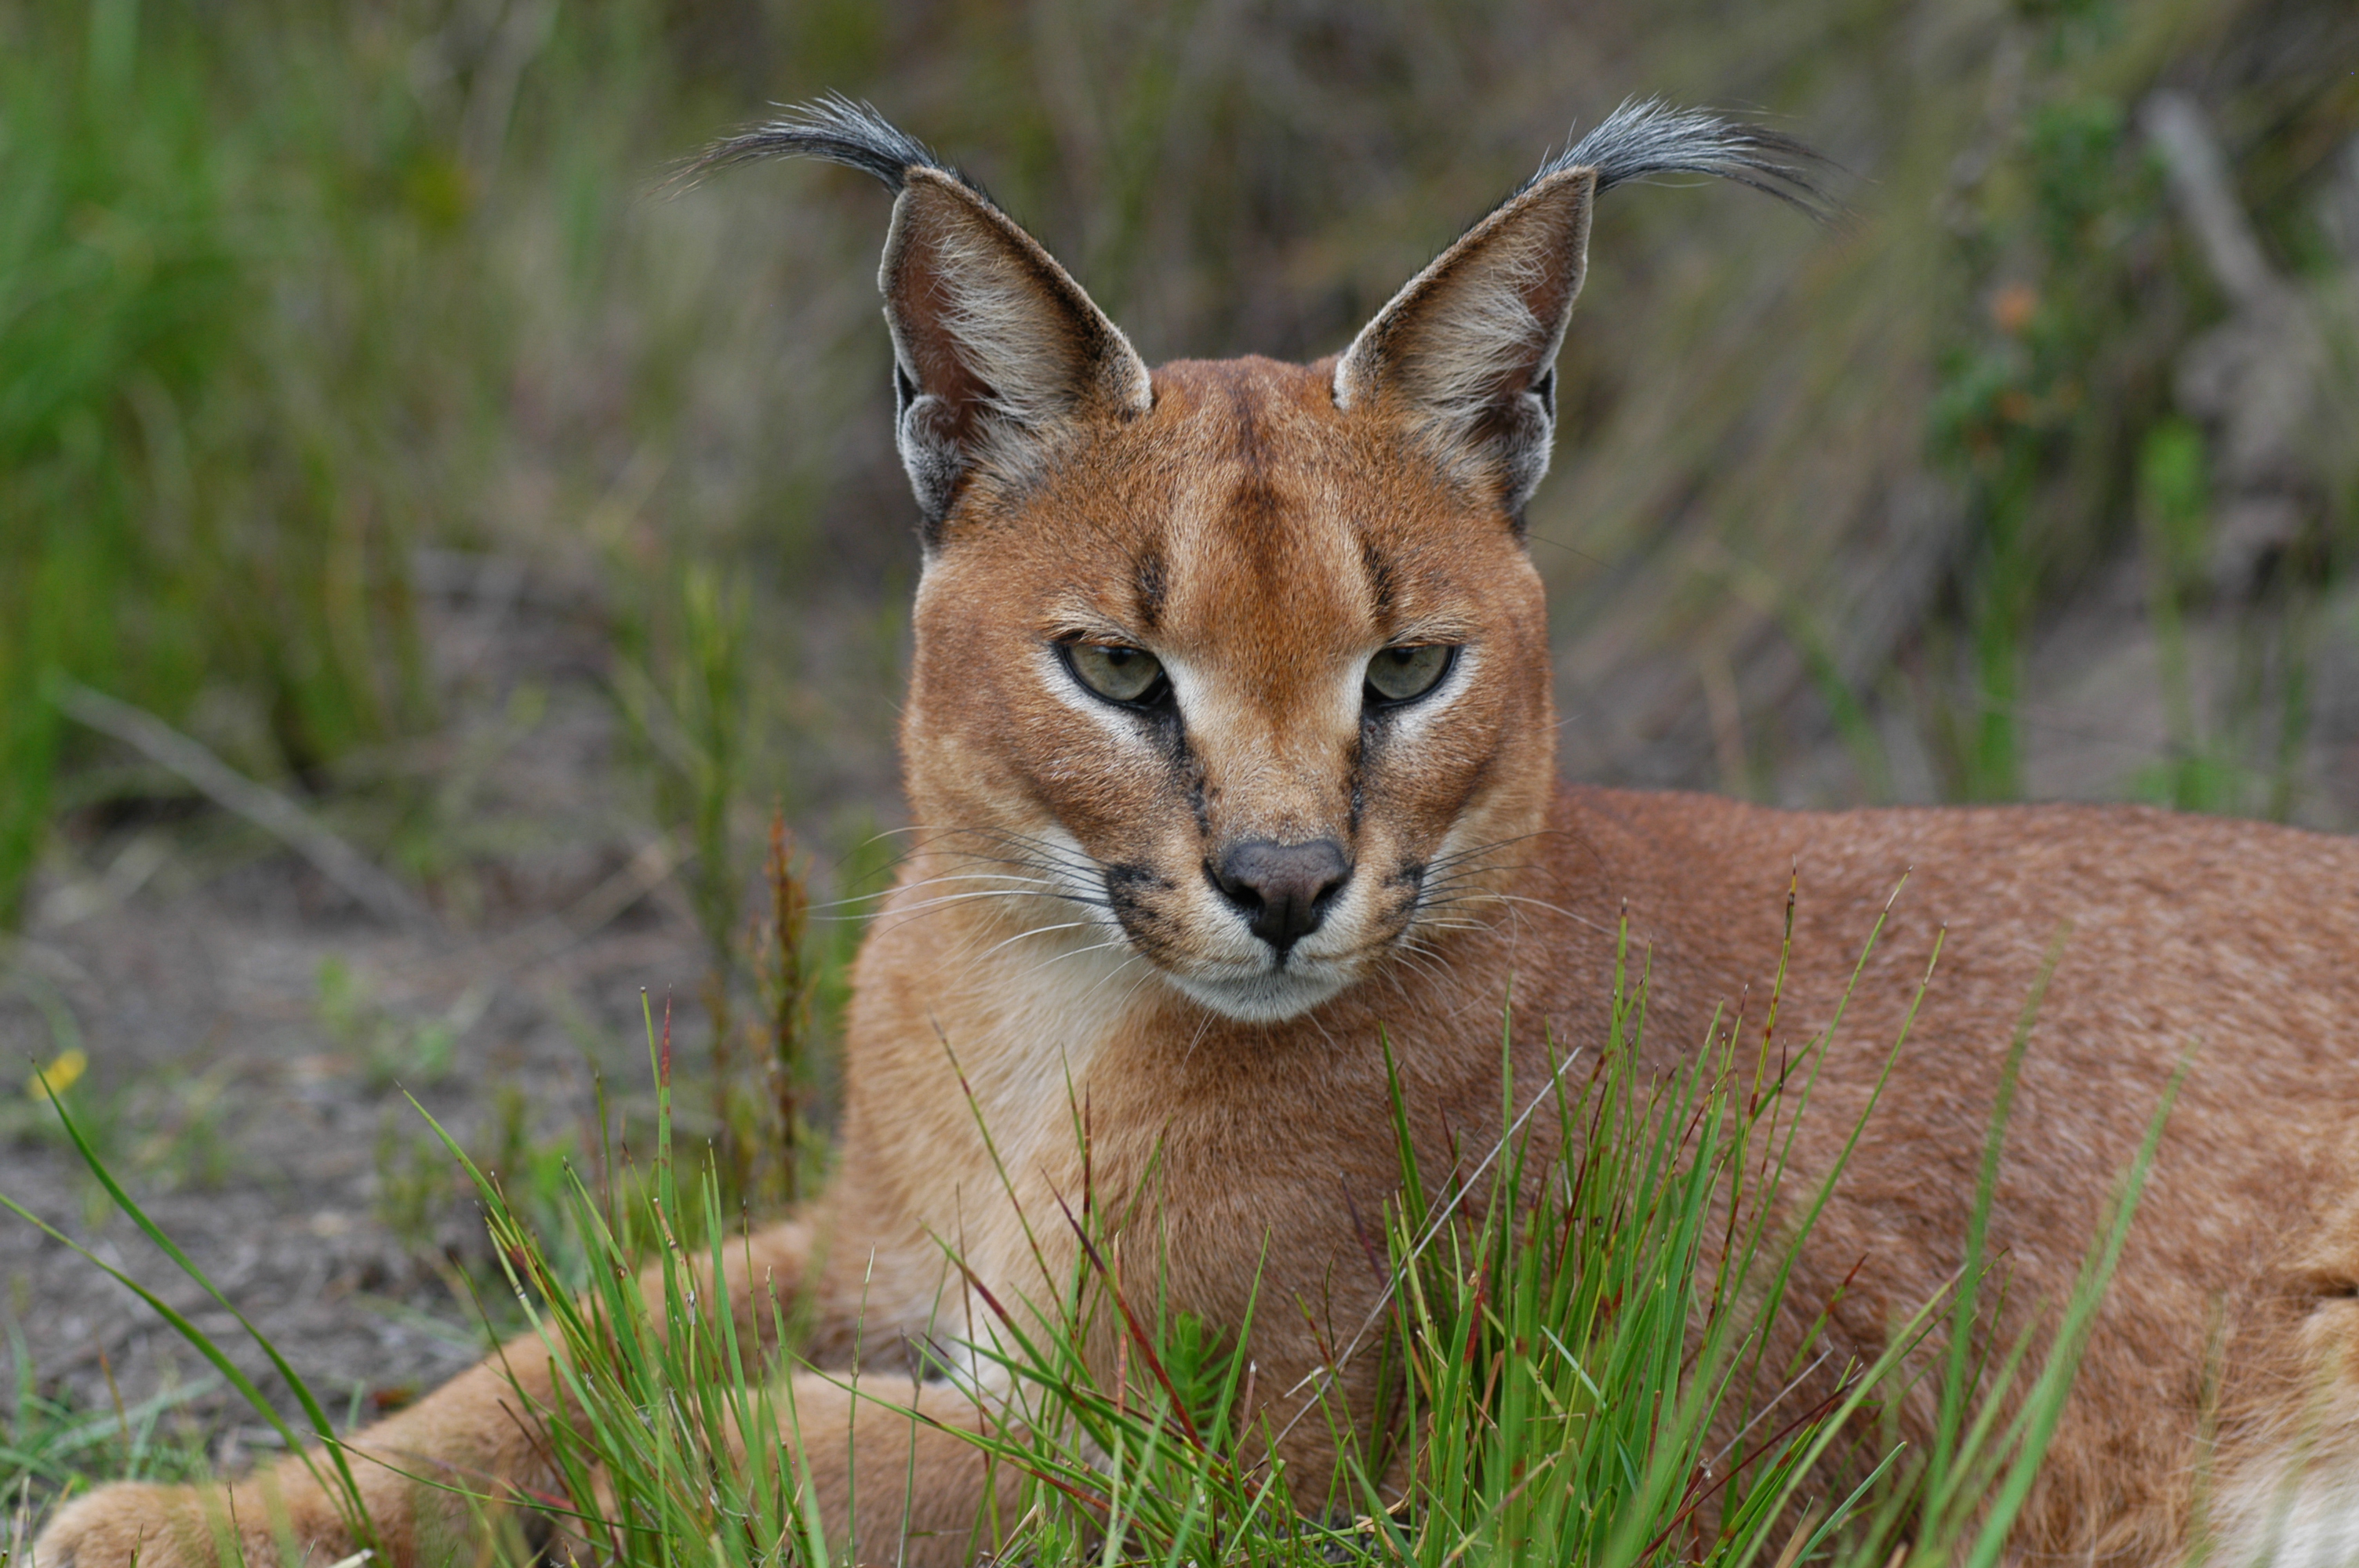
x=1230 y=745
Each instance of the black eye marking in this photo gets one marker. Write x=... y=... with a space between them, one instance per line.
x=1190 y=768
x=1401 y=676
x=1117 y=672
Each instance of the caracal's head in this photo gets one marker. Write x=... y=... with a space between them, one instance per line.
x=1238 y=668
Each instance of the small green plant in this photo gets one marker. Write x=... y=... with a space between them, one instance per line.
x=414 y=1186
x=2028 y=416
x=682 y=688
x=2238 y=750
x=784 y=1033
x=2174 y=504
x=48 y=1441
x=392 y=1050
x=188 y=1146
x=422 y=1194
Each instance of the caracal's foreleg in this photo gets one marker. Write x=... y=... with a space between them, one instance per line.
x=476 y=1435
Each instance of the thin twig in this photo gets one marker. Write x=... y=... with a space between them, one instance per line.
x=275 y=815
x=2206 y=189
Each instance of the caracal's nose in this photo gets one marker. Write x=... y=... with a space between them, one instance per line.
x=1282 y=890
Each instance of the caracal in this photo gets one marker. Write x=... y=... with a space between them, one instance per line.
x=1229 y=743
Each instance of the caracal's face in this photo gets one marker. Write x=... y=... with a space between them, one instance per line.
x=1246 y=687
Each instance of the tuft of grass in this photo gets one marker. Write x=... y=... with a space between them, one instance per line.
x=651 y=1430
x=1579 y=1340
x=49 y=1443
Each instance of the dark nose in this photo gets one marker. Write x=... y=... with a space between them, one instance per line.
x=1282 y=890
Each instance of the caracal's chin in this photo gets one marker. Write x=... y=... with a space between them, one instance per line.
x=1271 y=996
x=1210 y=956
x=1216 y=963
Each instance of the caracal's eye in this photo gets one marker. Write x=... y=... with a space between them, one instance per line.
x=1117 y=672
x=1399 y=675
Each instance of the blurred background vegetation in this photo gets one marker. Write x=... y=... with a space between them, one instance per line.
x=311 y=313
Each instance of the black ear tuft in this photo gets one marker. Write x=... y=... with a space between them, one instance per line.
x=1646 y=135
x=833 y=128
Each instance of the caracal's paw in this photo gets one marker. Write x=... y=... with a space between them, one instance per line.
x=188 y=1526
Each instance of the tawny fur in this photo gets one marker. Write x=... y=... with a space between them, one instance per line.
x=1263 y=539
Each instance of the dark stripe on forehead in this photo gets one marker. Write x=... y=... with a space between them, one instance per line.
x=1380 y=576
x=1254 y=505
x=1151 y=585
x=1249 y=442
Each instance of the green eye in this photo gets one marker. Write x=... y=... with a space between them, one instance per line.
x=1117 y=673
x=1397 y=674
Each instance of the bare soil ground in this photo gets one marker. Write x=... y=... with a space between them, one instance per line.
x=253 y=1036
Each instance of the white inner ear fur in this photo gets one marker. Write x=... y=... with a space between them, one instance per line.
x=1478 y=336
x=1014 y=318
x=1465 y=345
x=1011 y=335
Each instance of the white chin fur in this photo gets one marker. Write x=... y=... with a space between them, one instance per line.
x=1271 y=997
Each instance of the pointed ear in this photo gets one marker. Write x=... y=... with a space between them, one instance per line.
x=995 y=348
x=1467 y=351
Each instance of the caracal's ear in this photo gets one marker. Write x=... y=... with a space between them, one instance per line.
x=1467 y=351
x=996 y=350
x=995 y=346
